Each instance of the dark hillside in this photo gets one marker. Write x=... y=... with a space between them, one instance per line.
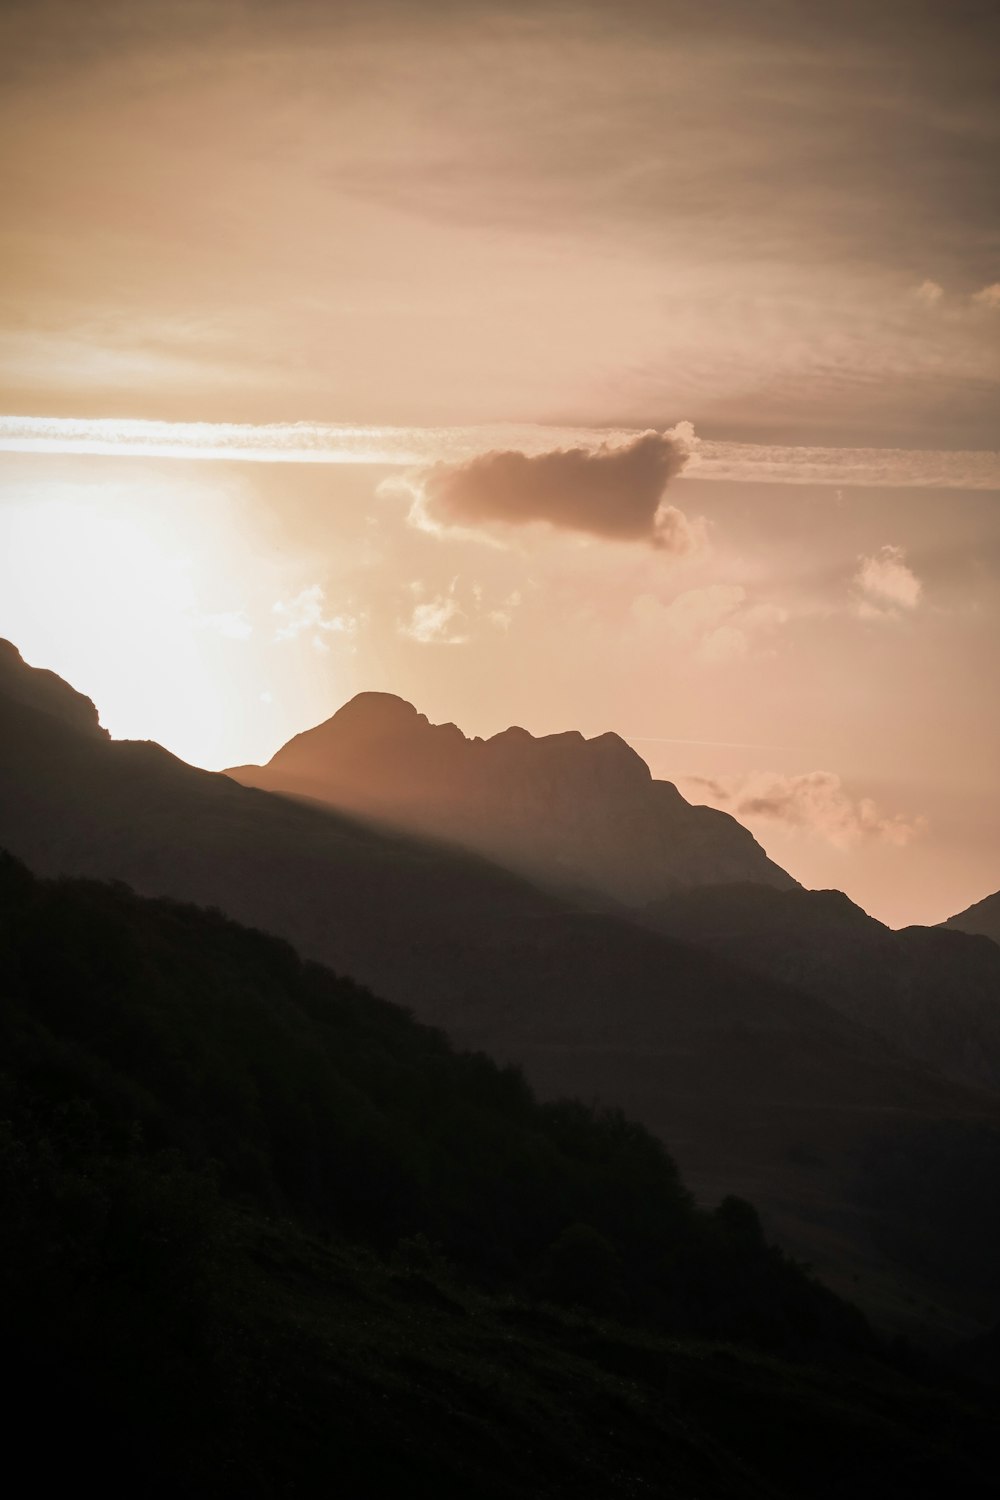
x=933 y=992
x=982 y=918
x=178 y=1030
x=262 y=1233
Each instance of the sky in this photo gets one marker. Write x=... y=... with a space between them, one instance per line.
x=628 y=368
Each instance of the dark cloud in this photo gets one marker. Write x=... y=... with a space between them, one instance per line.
x=614 y=492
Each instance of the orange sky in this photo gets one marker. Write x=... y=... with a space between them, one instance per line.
x=445 y=218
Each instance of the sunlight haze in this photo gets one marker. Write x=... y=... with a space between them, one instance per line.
x=409 y=260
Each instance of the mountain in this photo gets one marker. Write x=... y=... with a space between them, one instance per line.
x=263 y=1234
x=569 y=812
x=982 y=918
x=34 y=687
x=933 y=992
x=756 y=1088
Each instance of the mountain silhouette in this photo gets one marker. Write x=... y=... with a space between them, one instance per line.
x=982 y=918
x=933 y=992
x=37 y=688
x=569 y=812
x=757 y=1088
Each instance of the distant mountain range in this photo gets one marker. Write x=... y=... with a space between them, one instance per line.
x=933 y=992
x=569 y=812
x=871 y=1166
x=982 y=918
x=585 y=815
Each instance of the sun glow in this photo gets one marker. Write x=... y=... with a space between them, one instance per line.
x=146 y=608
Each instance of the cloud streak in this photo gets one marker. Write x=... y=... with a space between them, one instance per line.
x=409 y=447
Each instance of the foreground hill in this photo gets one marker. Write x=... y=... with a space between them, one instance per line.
x=561 y=809
x=757 y=1089
x=982 y=918
x=934 y=993
x=262 y=1234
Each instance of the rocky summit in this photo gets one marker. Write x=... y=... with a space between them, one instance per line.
x=571 y=812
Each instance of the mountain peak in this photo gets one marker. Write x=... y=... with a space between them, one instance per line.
x=374 y=714
x=372 y=706
x=565 y=810
x=612 y=750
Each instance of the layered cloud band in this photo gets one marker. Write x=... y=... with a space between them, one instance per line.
x=335 y=443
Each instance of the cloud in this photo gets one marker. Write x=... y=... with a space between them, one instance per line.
x=232 y=623
x=886 y=584
x=406 y=447
x=929 y=293
x=814 y=802
x=715 y=622
x=503 y=617
x=456 y=615
x=988 y=296
x=436 y=622
x=613 y=491
x=305 y=615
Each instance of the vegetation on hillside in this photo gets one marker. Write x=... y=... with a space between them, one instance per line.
x=261 y=1232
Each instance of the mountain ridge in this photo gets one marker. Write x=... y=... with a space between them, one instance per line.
x=982 y=918
x=756 y=1087
x=564 y=810
x=933 y=992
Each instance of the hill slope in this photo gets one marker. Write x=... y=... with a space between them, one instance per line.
x=561 y=809
x=982 y=918
x=232 y=1183
x=934 y=993
x=756 y=1088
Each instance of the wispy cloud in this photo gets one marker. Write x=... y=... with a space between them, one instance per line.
x=502 y=617
x=305 y=615
x=988 y=296
x=718 y=622
x=814 y=802
x=436 y=621
x=420 y=447
x=456 y=615
x=232 y=623
x=929 y=293
x=885 y=585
